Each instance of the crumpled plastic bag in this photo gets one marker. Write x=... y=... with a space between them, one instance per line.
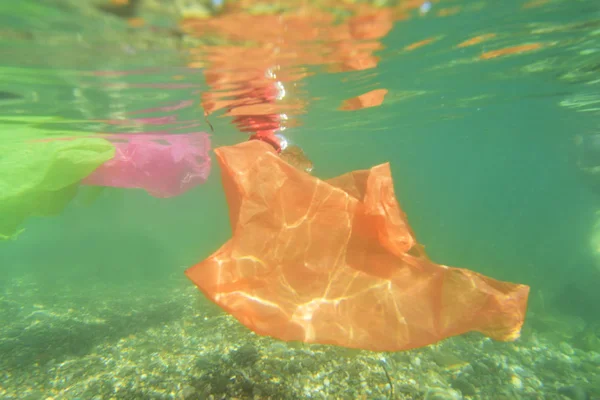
x=165 y=165
x=41 y=177
x=335 y=262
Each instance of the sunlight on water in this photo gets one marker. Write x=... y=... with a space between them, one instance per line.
x=111 y=189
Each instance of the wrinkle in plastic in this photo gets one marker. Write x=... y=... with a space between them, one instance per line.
x=165 y=165
x=336 y=262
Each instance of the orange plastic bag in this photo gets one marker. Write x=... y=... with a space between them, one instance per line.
x=335 y=262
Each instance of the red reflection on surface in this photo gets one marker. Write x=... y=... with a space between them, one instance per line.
x=255 y=70
x=373 y=98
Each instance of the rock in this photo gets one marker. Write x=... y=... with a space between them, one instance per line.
x=574 y=393
x=416 y=362
x=402 y=357
x=448 y=360
x=516 y=382
x=187 y=392
x=246 y=355
x=566 y=348
x=487 y=345
x=464 y=386
x=442 y=394
x=410 y=391
x=480 y=368
x=588 y=340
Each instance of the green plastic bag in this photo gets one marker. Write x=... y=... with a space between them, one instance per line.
x=39 y=178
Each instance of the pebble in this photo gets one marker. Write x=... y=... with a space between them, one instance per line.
x=487 y=345
x=516 y=382
x=464 y=386
x=187 y=392
x=566 y=348
x=574 y=393
x=442 y=394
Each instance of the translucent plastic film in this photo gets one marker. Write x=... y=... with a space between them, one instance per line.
x=165 y=165
x=40 y=178
x=335 y=262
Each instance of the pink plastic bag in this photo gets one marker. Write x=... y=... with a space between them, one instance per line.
x=165 y=165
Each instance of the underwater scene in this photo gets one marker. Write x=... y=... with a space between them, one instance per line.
x=299 y=199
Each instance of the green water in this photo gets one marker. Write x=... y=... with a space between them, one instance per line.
x=485 y=165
